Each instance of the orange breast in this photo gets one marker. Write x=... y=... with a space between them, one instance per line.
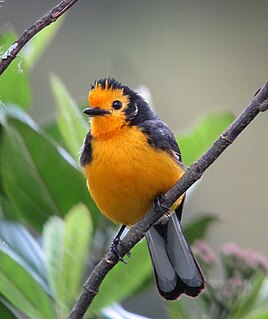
x=127 y=173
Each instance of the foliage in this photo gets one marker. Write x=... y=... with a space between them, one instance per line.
x=14 y=83
x=202 y=134
x=239 y=294
x=51 y=232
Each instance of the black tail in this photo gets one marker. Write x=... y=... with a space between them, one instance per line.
x=176 y=269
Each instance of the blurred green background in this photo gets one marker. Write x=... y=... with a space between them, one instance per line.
x=195 y=57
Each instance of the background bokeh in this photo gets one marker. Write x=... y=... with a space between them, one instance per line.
x=195 y=57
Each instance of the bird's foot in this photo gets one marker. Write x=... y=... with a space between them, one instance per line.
x=159 y=204
x=114 y=249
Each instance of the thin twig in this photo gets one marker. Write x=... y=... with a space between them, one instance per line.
x=192 y=174
x=46 y=20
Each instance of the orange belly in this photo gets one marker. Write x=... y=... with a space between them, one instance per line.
x=127 y=173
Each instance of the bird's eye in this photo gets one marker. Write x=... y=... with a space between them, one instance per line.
x=117 y=105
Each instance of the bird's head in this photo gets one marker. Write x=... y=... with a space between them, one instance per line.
x=112 y=106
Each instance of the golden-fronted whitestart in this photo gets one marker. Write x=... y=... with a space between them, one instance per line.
x=130 y=157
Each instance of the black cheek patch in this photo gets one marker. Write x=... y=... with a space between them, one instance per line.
x=86 y=154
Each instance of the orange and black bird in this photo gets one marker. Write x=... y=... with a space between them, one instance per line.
x=130 y=157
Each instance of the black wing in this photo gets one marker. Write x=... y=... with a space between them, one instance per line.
x=161 y=137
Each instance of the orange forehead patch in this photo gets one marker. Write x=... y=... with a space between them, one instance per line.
x=104 y=97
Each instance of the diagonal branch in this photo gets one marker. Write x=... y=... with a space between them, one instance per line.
x=258 y=104
x=46 y=20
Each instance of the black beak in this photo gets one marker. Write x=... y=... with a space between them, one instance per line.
x=95 y=111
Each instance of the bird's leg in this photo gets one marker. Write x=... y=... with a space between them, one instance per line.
x=117 y=237
x=116 y=241
x=158 y=204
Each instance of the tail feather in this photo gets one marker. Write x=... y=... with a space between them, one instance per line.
x=176 y=269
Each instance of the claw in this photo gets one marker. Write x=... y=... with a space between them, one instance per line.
x=117 y=241
x=168 y=215
x=159 y=203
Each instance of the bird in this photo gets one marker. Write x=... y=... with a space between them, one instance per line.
x=130 y=158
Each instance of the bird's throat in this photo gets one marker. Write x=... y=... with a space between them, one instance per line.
x=103 y=127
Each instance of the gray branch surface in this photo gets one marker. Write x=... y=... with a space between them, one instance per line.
x=46 y=20
x=258 y=104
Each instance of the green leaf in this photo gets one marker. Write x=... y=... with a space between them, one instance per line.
x=14 y=84
x=52 y=242
x=8 y=311
x=76 y=241
x=247 y=301
x=8 y=209
x=39 y=177
x=257 y=314
x=123 y=280
x=70 y=122
x=21 y=242
x=53 y=131
x=38 y=44
x=176 y=310
x=116 y=311
x=5 y=312
x=20 y=287
x=201 y=135
x=66 y=246
x=198 y=227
